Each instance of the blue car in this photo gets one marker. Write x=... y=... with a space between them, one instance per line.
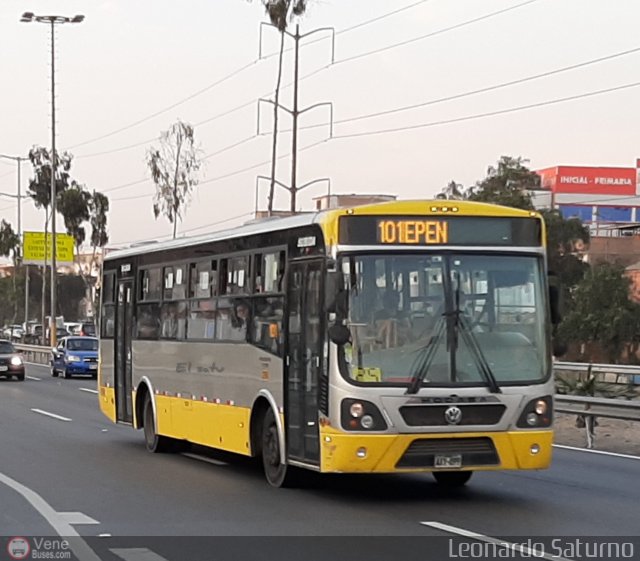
x=75 y=355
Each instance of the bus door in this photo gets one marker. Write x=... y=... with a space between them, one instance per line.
x=303 y=361
x=124 y=321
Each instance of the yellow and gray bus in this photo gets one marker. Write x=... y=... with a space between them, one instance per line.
x=408 y=336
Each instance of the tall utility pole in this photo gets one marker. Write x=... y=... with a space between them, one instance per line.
x=19 y=160
x=28 y=17
x=295 y=112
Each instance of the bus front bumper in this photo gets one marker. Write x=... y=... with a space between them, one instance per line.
x=402 y=453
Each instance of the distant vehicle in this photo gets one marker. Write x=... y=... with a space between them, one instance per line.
x=13 y=332
x=75 y=355
x=11 y=363
x=33 y=334
x=73 y=327
x=87 y=329
x=61 y=333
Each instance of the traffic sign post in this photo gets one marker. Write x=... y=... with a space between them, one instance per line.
x=36 y=252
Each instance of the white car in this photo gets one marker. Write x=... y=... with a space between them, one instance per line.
x=13 y=332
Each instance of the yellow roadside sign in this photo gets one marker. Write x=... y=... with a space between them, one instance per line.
x=34 y=251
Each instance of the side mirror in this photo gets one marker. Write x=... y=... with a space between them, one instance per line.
x=339 y=334
x=555 y=299
x=559 y=347
x=332 y=288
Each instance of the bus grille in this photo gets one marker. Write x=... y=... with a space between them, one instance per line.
x=474 y=451
x=433 y=415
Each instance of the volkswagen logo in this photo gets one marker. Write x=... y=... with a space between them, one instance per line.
x=453 y=415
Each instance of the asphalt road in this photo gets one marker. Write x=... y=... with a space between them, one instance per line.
x=79 y=473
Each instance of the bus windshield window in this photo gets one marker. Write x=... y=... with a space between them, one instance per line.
x=399 y=304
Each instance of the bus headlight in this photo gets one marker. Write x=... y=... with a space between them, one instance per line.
x=359 y=415
x=536 y=414
x=356 y=410
x=541 y=407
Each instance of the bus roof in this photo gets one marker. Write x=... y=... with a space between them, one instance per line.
x=323 y=217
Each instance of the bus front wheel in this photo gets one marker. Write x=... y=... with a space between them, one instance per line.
x=452 y=478
x=155 y=443
x=277 y=473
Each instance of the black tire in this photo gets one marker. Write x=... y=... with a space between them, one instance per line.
x=20 y=377
x=54 y=372
x=277 y=473
x=452 y=479
x=154 y=442
x=66 y=374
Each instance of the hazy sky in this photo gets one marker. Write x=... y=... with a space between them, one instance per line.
x=130 y=60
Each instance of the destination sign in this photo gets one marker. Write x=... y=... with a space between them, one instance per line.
x=421 y=232
x=440 y=230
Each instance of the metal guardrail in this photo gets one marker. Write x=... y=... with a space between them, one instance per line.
x=623 y=409
x=35 y=353
x=572 y=404
x=615 y=373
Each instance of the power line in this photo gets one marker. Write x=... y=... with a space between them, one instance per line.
x=469 y=93
x=490 y=113
x=413 y=40
x=192 y=229
x=231 y=174
x=168 y=108
x=485 y=89
x=438 y=32
x=226 y=78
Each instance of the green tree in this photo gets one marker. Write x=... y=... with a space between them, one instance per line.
x=174 y=170
x=603 y=312
x=280 y=13
x=453 y=191
x=506 y=184
x=39 y=188
x=10 y=247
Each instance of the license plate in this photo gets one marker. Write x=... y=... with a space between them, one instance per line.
x=4 y=368
x=448 y=461
x=93 y=367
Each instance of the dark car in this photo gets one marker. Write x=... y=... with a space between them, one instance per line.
x=11 y=363
x=75 y=355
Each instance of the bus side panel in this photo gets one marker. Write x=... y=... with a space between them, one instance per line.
x=204 y=391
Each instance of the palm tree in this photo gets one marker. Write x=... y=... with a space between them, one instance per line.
x=280 y=13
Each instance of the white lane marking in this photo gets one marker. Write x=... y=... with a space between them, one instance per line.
x=33 y=378
x=88 y=390
x=104 y=535
x=79 y=547
x=204 y=459
x=602 y=452
x=137 y=554
x=525 y=551
x=77 y=518
x=52 y=415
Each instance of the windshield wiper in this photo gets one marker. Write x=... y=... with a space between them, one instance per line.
x=459 y=320
x=425 y=357
x=478 y=355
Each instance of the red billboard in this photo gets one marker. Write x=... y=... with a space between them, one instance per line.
x=589 y=180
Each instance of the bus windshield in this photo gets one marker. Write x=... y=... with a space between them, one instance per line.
x=445 y=319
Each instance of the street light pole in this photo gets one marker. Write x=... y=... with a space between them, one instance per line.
x=28 y=17
x=19 y=160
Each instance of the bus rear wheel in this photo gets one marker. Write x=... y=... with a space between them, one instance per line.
x=452 y=479
x=154 y=442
